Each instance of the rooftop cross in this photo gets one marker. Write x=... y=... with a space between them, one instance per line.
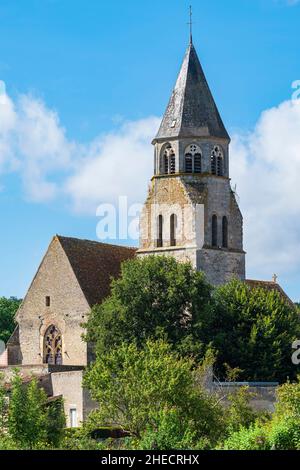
x=191 y=25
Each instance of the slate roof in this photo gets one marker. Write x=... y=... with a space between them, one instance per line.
x=269 y=285
x=192 y=111
x=94 y=264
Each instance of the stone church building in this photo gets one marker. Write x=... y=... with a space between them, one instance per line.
x=191 y=213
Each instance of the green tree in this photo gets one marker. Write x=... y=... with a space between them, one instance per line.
x=172 y=430
x=3 y=406
x=155 y=297
x=32 y=423
x=133 y=386
x=8 y=308
x=280 y=432
x=254 y=330
x=55 y=423
x=27 y=413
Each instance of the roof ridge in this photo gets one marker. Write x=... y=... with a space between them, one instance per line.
x=59 y=237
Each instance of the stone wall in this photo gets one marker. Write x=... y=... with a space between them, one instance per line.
x=221 y=266
x=69 y=385
x=195 y=199
x=263 y=394
x=68 y=309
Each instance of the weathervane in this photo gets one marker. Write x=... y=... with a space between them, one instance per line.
x=191 y=24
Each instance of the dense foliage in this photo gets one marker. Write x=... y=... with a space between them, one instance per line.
x=157 y=297
x=254 y=331
x=156 y=337
x=8 y=308
x=27 y=421
x=141 y=388
x=280 y=432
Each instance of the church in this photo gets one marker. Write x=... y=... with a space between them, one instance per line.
x=191 y=213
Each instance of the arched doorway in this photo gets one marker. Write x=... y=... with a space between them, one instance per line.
x=52 y=346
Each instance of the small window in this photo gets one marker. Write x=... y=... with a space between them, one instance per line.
x=217 y=161
x=189 y=163
x=173 y=224
x=48 y=301
x=168 y=162
x=197 y=163
x=73 y=418
x=214 y=229
x=172 y=164
x=160 y=232
x=225 y=232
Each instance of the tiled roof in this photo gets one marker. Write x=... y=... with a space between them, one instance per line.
x=192 y=111
x=94 y=264
x=269 y=285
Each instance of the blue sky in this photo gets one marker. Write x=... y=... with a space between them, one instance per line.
x=96 y=76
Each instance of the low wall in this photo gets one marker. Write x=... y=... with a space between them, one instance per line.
x=264 y=393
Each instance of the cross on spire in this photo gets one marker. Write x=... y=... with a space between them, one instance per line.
x=191 y=25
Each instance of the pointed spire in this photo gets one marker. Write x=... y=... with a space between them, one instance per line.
x=192 y=111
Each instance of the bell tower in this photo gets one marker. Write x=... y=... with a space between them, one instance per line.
x=191 y=211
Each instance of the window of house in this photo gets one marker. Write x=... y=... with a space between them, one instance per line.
x=48 y=301
x=73 y=417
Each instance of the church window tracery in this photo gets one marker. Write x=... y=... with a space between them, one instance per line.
x=53 y=346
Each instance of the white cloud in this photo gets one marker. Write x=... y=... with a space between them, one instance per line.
x=265 y=164
x=33 y=144
x=117 y=164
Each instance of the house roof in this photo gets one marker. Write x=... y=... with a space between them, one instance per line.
x=192 y=111
x=94 y=264
x=269 y=285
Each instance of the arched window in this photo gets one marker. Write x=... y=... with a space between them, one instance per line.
x=173 y=226
x=160 y=223
x=217 y=166
x=214 y=229
x=225 y=232
x=193 y=159
x=52 y=346
x=168 y=160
